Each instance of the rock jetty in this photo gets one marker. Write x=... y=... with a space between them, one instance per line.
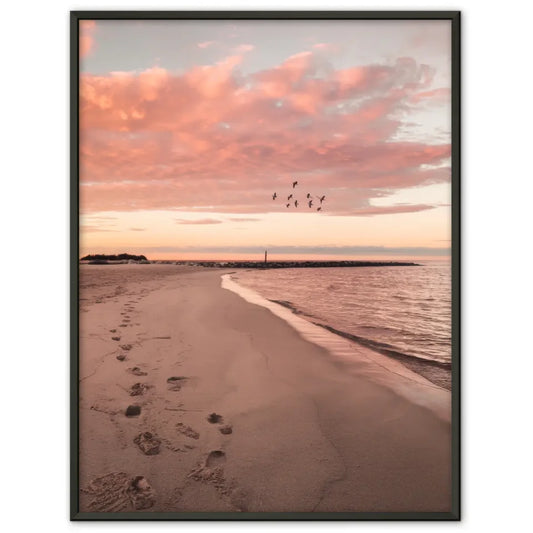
x=293 y=264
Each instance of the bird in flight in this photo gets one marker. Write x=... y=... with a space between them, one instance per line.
x=294 y=183
x=296 y=203
x=274 y=196
x=289 y=197
x=321 y=198
x=288 y=205
x=308 y=195
x=318 y=208
x=310 y=203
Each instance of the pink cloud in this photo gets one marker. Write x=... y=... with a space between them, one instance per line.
x=325 y=46
x=200 y=221
x=441 y=95
x=205 y=44
x=214 y=139
x=87 y=28
x=243 y=48
x=389 y=210
x=95 y=229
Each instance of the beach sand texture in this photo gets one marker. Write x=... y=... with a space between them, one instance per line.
x=164 y=349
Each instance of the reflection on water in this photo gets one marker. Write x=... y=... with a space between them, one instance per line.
x=402 y=309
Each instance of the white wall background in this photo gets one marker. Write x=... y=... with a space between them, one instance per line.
x=497 y=288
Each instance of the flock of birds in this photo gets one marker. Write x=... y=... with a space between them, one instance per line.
x=309 y=198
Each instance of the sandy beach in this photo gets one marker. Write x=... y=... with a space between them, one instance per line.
x=297 y=430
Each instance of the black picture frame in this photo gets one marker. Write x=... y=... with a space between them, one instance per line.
x=455 y=18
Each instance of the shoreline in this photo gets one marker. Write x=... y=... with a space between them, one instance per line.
x=379 y=367
x=437 y=372
x=304 y=434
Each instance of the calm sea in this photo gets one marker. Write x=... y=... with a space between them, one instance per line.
x=402 y=312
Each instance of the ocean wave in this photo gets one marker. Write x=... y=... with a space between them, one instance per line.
x=384 y=348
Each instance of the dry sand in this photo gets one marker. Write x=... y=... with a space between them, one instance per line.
x=299 y=432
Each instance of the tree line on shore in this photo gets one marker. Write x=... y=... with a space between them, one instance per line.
x=114 y=257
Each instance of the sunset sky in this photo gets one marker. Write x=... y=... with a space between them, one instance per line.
x=187 y=128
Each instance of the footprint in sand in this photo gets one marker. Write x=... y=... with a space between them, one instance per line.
x=141 y=493
x=115 y=338
x=212 y=472
x=215 y=418
x=138 y=389
x=104 y=406
x=188 y=431
x=119 y=491
x=148 y=443
x=136 y=371
x=121 y=357
x=112 y=331
x=177 y=447
x=215 y=458
x=133 y=410
x=125 y=347
x=176 y=382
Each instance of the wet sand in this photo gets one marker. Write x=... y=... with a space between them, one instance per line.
x=193 y=399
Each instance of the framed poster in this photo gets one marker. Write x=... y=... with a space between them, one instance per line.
x=265 y=265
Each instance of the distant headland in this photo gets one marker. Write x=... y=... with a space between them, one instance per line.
x=105 y=259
